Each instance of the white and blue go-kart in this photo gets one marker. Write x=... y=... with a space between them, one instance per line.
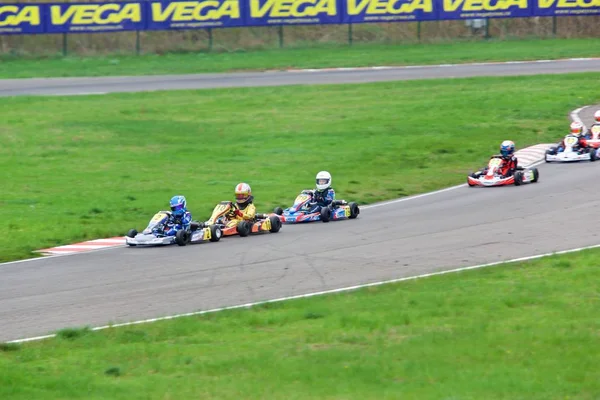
x=569 y=153
x=154 y=234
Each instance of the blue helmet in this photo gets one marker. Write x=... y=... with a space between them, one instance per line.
x=507 y=148
x=178 y=205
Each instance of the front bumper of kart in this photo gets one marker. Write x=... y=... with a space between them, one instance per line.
x=149 y=240
x=568 y=157
x=495 y=181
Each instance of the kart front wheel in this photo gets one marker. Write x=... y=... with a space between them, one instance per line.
x=325 y=214
x=215 y=233
x=354 y=210
x=182 y=237
x=132 y=233
x=278 y=210
x=244 y=228
x=275 y=224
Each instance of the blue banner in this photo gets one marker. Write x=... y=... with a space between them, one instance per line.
x=165 y=15
x=21 y=18
x=95 y=17
x=292 y=12
x=467 y=9
x=546 y=8
x=358 y=11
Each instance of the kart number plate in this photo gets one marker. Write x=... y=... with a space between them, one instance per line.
x=347 y=211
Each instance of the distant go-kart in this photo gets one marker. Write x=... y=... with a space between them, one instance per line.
x=154 y=234
x=222 y=216
x=300 y=211
x=594 y=142
x=570 y=154
x=492 y=176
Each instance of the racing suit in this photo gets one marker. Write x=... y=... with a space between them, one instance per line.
x=321 y=199
x=508 y=166
x=581 y=144
x=246 y=211
x=175 y=224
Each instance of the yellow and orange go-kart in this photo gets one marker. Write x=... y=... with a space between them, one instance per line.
x=224 y=217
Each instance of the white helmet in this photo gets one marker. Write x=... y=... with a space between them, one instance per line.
x=243 y=193
x=577 y=128
x=323 y=180
x=597 y=116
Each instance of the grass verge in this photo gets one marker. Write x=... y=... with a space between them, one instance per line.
x=327 y=56
x=84 y=167
x=521 y=331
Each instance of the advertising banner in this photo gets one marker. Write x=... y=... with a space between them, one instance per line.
x=358 y=11
x=467 y=9
x=292 y=12
x=21 y=18
x=95 y=17
x=165 y=15
x=546 y=8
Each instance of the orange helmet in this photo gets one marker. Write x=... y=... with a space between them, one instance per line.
x=243 y=192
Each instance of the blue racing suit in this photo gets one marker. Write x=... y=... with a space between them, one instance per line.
x=177 y=223
x=321 y=199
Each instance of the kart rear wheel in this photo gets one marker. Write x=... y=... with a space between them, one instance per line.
x=275 y=224
x=215 y=233
x=182 y=237
x=132 y=233
x=354 y=210
x=278 y=210
x=536 y=175
x=518 y=178
x=244 y=228
x=325 y=214
x=593 y=155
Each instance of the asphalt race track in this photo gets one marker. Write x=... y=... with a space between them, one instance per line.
x=72 y=86
x=458 y=227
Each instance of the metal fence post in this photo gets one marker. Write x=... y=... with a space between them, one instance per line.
x=419 y=31
x=349 y=34
x=210 y=39
x=554 y=25
x=64 y=44
x=280 y=34
x=487 y=28
x=138 y=46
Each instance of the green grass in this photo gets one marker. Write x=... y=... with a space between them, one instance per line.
x=326 y=56
x=522 y=331
x=76 y=168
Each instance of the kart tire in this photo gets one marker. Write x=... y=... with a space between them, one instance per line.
x=244 y=228
x=275 y=224
x=536 y=175
x=518 y=178
x=195 y=225
x=593 y=155
x=354 y=210
x=325 y=214
x=215 y=233
x=182 y=237
x=132 y=233
x=278 y=210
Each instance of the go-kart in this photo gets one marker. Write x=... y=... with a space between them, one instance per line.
x=302 y=211
x=571 y=152
x=154 y=234
x=492 y=176
x=223 y=216
x=594 y=141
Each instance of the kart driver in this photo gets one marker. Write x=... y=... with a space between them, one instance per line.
x=245 y=210
x=323 y=194
x=180 y=217
x=509 y=161
x=578 y=130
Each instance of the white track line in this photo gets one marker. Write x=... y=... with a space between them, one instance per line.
x=301 y=296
